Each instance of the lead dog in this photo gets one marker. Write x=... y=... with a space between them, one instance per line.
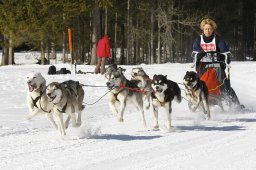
x=36 y=97
x=165 y=91
x=123 y=91
x=196 y=92
x=144 y=83
x=66 y=97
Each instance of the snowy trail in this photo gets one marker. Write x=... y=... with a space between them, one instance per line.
x=227 y=142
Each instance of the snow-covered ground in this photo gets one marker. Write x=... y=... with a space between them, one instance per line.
x=226 y=142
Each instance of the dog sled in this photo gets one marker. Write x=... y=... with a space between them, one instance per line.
x=214 y=69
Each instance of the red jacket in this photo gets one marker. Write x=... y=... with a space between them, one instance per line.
x=103 y=48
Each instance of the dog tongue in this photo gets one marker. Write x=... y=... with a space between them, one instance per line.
x=51 y=98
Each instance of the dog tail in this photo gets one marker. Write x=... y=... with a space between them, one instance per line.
x=178 y=98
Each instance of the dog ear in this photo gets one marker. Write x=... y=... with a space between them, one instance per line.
x=121 y=69
x=114 y=66
x=58 y=85
x=43 y=79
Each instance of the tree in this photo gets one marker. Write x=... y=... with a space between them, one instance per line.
x=12 y=27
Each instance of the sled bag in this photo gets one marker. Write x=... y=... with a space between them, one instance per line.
x=211 y=80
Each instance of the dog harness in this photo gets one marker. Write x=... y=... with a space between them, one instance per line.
x=36 y=100
x=154 y=97
x=192 y=94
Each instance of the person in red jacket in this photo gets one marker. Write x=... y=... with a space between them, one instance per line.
x=103 y=53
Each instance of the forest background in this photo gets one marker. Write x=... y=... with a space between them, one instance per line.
x=137 y=28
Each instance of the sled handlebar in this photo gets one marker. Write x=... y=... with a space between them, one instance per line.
x=212 y=56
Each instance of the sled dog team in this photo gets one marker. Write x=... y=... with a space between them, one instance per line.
x=57 y=99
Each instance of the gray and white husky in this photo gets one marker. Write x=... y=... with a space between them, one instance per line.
x=165 y=91
x=66 y=97
x=144 y=83
x=123 y=91
x=36 y=97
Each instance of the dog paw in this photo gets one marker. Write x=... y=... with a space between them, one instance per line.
x=170 y=129
x=78 y=124
x=120 y=119
x=156 y=127
x=193 y=108
x=207 y=117
x=28 y=117
x=66 y=126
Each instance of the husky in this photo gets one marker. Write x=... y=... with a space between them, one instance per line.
x=66 y=97
x=165 y=91
x=144 y=83
x=36 y=97
x=123 y=91
x=196 y=92
x=112 y=68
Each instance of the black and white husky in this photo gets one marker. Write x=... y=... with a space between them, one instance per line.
x=196 y=92
x=165 y=91
x=123 y=91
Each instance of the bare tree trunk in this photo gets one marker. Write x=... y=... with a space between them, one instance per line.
x=115 y=38
x=136 y=44
x=106 y=21
x=5 y=53
x=11 y=52
x=53 y=52
x=122 y=59
x=159 y=43
x=95 y=32
x=47 y=53
x=3 y=57
x=64 y=46
x=42 y=53
x=64 y=43
x=152 y=34
x=128 y=38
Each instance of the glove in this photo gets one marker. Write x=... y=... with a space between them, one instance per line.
x=221 y=57
x=200 y=55
x=229 y=55
x=225 y=57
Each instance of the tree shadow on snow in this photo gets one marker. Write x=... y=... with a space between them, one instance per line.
x=209 y=128
x=126 y=137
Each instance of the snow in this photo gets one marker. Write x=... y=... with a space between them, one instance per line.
x=226 y=142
